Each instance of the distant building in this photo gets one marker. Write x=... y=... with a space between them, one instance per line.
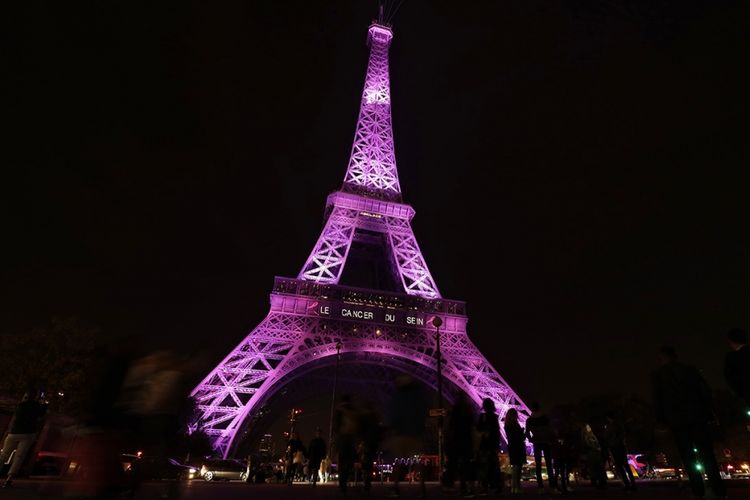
x=266 y=448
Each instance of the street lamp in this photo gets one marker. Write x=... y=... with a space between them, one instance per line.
x=339 y=345
x=293 y=419
x=437 y=322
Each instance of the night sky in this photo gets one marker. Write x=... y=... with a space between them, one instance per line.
x=578 y=168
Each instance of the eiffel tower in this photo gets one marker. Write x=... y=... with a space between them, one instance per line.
x=367 y=239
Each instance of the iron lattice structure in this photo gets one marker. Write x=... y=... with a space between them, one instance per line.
x=311 y=314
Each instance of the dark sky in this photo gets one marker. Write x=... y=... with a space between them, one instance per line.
x=579 y=170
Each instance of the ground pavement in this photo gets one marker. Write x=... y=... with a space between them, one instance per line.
x=201 y=490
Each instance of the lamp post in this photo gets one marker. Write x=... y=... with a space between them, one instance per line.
x=437 y=322
x=339 y=345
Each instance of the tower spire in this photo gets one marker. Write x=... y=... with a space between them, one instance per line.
x=372 y=164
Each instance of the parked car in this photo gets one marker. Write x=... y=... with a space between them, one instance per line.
x=50 y=463
x=666 y=473
x=735 y=470
x=227 y=470
x=157 y=468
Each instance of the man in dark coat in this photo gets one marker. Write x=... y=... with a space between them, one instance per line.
x=316 y=451
x=459 y=442
x=369 y=436
x=294 y=452
x=614 y=438
x=346 y=433
x=21 y=434
x=489 y=444
x=682 y=401
x=737 y=364
x=540 y=433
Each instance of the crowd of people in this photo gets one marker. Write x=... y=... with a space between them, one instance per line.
x=682 y=402
x=141 y=399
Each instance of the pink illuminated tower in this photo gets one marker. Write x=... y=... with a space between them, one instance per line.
x=365 y=287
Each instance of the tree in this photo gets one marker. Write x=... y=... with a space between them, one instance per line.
x=55 y=358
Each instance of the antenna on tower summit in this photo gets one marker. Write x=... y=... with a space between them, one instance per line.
x=387 y=10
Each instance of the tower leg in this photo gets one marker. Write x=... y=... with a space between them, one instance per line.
x=412 y=268
x=326 y=262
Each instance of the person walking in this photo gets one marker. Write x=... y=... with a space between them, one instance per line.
x=325 y=468
x=564 y=457
x=515 y=435
x=682 y=400
x=370 y=434
x=489 y=444
x=22 y=432
x=459 y=444
x=737 y=364
x=405 y=418
x=592 y=455
x=614 y=437
x=316 y=451
x=295 y=456
x=346 y=434
x=539 y=432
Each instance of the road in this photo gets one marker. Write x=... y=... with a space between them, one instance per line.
x=200 y=490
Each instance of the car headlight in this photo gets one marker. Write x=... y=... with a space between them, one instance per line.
x=192 y=471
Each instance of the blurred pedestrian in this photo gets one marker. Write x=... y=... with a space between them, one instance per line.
x=22 y=432
x=737 y=364
x=295 y=457
x=325 y=468
x=154 y=395
x=569 y=451
x=316 y=451
x=489 y=445
x=346 y=440
x=561 y=452
x=407 y=412
x=370 y=435
x=459 y=443
x=682 y=400
x=592 y=455
x=614 y=437
x=515 y=435
x=539 y=431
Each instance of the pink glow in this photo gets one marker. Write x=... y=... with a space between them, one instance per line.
x=311 y=314
x=372 y=165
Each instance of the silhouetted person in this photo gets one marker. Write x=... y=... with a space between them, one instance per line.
x=737 y=364
x=21 y=434
x=591 y=450
x=405 y=420
x=459 y=443
x=370 y=435
x=325 y=468
x=316 y=451
x=614 y=438
x=489 y=443
x=295 y=452
x=515 y=435
x=564 y=452
x=682 y=400
x=346 y=440
x=540 y=433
